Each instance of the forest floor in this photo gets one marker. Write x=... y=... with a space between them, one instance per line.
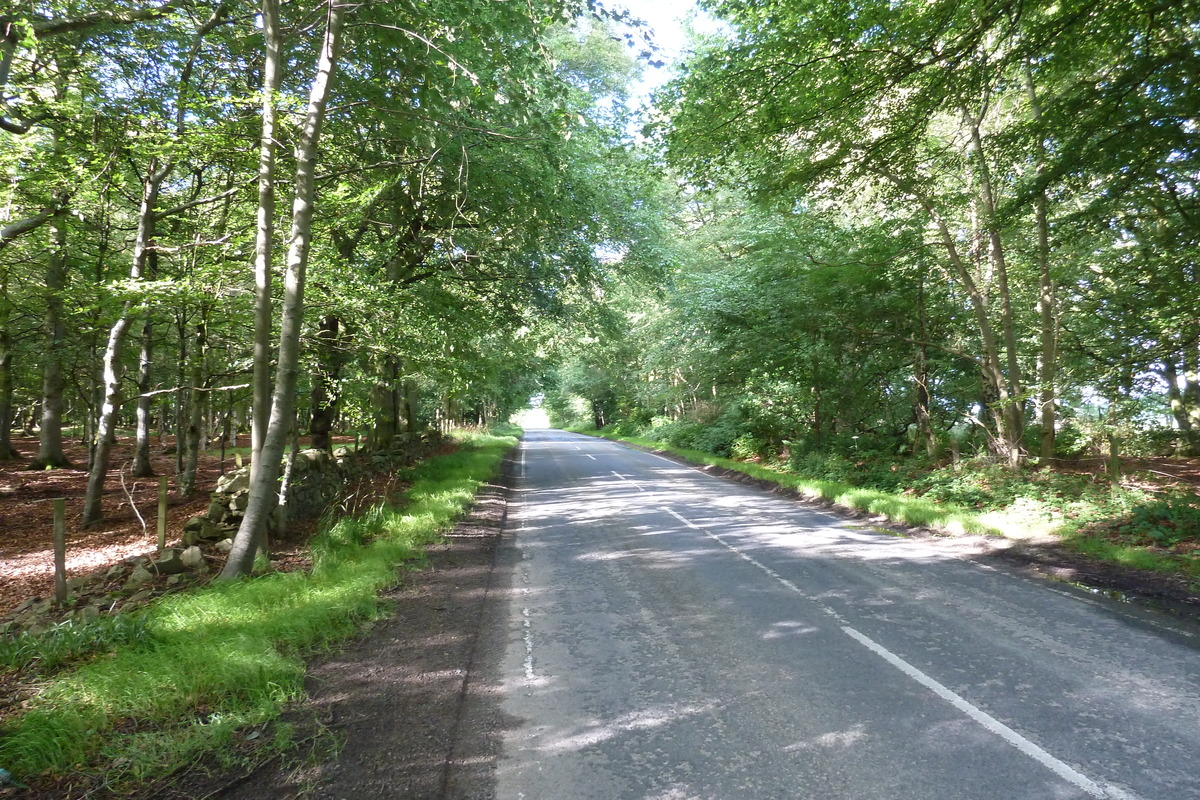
x=130 y=508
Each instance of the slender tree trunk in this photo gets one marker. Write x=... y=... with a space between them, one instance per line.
x=925 y=433
x=50 y=446
x=142 y=467
x=264 y=234
x=325 y=383
x=193 y=438
x=182 y=397
x=1191 y=379
x=282 y=512
x=412 y=405
x=264 y=485
x=143 y=248
x=6 y=377
x=107 y=418
x=1008 y=436
x=1048 y=393
x=1012 y=406
x=1178 y=406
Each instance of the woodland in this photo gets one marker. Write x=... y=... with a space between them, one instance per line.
x=855 y=239
x=915 y=235
x=272 y=220
x=935 y=253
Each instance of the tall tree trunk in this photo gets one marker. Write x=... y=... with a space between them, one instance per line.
x=1008 y=434
x=50 y=446
x=412 y=405
x=264 y=234
x=1178 y=406
x=1191 y=378
x=1013 y=405
x=106 y=419
x=6 y=377
x=263 y=487
x=1048 y=393
x=156 y=173
x=325 y=383
x=182 y=397
x=142 y=467
x=192 y=438
x=925 y=433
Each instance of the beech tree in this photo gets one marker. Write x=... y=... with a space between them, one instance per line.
x=959 y=110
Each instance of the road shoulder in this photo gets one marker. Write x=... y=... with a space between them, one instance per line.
x=385 y=714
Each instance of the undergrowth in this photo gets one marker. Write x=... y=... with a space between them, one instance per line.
x=908 y=510
x=149 y=693
x=1127 y=526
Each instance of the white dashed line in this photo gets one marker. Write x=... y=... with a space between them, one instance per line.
x=988 y=722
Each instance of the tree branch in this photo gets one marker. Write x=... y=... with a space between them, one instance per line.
x=54 y=27
x=22 y=226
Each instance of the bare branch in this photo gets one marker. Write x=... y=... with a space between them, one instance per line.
x=157 y=392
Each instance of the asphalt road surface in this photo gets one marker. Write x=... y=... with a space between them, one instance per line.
x=675 y=635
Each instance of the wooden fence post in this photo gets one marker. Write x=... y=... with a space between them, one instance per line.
x=162 y=514
x=60 y=550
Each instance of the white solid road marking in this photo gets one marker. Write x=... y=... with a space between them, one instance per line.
x=990 y=723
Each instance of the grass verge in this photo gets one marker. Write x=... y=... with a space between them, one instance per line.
x=1014 y=522
x=199 y=666
x=907 y=510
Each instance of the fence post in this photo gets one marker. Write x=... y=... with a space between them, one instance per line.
x=162 y=514
x=60 y=550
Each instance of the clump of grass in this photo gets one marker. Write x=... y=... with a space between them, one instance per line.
x=206 y=663
x=42 y=652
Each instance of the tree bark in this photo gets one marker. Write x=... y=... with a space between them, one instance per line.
x=1007 y=440
x=325 y=383
x=1012 y=406
x=925 y=433
x=264 y=485
x=264 y=234
x=1178 y=405
x=412 y=405
x=6 y=377
x=156 y=173
x=192 y=437
x=145 y=405
x=50 y=446
x=1048 y=321
x=110 y=402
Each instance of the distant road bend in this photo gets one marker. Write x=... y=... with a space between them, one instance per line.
x=673 y=635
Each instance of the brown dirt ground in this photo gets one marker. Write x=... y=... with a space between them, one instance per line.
x=26 y=514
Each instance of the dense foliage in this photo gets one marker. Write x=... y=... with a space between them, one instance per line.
x=380 y=207
x=921 y=227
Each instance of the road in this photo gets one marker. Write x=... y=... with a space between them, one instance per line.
x=676 y=635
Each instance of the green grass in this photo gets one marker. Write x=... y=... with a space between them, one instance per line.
x=1018 y=519
x=907 y=510
x=205 y=663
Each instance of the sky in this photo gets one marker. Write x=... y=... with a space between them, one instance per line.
x=668 y=20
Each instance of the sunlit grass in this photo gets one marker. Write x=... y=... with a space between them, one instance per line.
x=203 y=664
x=1022 y=518
x=896 y=508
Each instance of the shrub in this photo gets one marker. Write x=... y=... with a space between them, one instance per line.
x=984 y=485
x=1166 y=521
